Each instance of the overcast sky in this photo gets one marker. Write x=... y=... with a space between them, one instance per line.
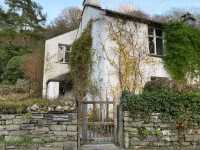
x=54 y=7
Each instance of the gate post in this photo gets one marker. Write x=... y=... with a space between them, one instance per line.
x=126 y=133
x=78 y=125
x=84 y=122
x=120 y=126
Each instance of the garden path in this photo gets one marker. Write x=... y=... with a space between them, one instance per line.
x=100 y=147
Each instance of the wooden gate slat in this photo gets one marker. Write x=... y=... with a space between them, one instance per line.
x=97 y=122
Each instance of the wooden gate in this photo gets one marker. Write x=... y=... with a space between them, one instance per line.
x=97 y=122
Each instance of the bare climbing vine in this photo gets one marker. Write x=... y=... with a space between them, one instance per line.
x=130 y=53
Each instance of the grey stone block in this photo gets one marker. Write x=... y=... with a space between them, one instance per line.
x=70 y=146
x=72 y=128
x=58 y=128
x=12 y=127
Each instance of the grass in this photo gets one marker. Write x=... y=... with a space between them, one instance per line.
x=19 y=141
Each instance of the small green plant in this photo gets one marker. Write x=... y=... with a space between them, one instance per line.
x=27 y=115
x=157 y=132
x=144 y=132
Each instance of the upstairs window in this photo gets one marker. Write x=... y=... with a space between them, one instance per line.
x=63 y=53
x=156 y=41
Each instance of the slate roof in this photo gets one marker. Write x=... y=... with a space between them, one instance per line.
x=121 y=15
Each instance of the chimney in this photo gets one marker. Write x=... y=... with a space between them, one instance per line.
x=92 y=2
x=189 y=19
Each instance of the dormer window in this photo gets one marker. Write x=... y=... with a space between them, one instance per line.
x=156 y=41
x=63 y=53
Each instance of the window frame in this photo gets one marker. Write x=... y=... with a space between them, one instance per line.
x=155 y=37
x=67 y=51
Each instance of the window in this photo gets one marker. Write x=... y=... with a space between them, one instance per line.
x=156 y=41
x=63 y=53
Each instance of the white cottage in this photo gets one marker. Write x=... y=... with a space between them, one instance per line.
x=149 y=37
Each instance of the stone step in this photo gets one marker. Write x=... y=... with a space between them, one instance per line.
x=100 y=147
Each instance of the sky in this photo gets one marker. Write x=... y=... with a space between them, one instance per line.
x=54 y=7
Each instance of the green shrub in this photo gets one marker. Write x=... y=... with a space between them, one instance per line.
x=182 y=51
x=157 y=84
x=170 y=104
x=13 y=70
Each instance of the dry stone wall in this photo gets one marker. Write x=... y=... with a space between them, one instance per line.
x=154 y=134
x=38 y=131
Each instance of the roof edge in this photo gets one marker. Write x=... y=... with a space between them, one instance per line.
x=62 y=34
x=113 y=13
x=131 y=17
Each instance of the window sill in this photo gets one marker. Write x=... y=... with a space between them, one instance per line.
x=154 y=55
x=63 y=63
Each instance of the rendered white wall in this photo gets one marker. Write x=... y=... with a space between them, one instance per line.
x=104 y=75
x=53 y=90
x=52 y=68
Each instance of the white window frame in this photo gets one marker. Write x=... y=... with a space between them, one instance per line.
x=154 y=36
x=61 y=55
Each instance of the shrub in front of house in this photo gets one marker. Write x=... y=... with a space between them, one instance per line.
x=170 y=104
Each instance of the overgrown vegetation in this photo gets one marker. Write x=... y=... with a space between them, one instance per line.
x=22 y=36
x=81 y=63
x=21 y=106
x=172 y=100
x=145 y=132
x=171 y=104
x=21 y=33
x=182 y=51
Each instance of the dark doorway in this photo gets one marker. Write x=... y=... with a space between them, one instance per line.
x=65 y=87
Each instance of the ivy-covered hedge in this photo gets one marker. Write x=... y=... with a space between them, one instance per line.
x=171 y=105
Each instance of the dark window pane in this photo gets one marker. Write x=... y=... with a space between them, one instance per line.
x=150 y=31
x=68 y=48
x=158 y=32
x=159 y=46
x=60 y=53
x=67 y=56
x=151 y=46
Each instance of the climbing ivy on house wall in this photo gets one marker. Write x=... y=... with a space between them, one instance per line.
x=182 y=58
x=81 y=63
